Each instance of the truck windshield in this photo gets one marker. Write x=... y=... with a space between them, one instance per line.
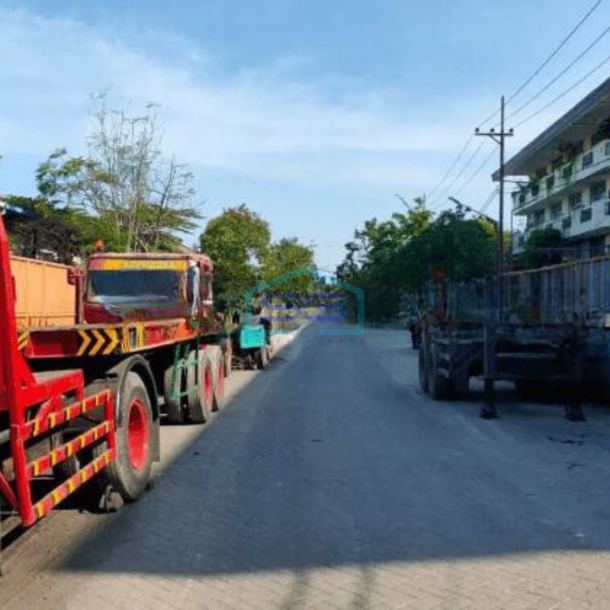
x=134 y=284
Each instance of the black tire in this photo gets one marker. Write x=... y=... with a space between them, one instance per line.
x=200 y=385
x=227 y=355
x=263 y=360
x=174 y=408
x=70 y=466
x=219 y=383
x=423 y=371
x=438 y=384
x=129 y=473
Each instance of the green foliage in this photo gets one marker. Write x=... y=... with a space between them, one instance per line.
x=287 y=256
x=238 y=241
x=542 y=248
x=394 y=257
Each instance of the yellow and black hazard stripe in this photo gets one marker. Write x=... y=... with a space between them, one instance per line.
x=22 y=340
x=98 y=341
x=134 y=338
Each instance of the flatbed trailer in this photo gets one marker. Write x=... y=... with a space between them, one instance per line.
x=552 y=328
x=83 y=389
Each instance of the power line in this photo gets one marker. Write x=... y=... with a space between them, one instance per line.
x=547 y=60
x=554 y=80
x=489 y=200
x=440 y=197
x=476 y=171
x=539 y=69
x=452 y=167
x=565 y=92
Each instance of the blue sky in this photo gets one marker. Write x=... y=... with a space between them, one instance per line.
x=315 y=113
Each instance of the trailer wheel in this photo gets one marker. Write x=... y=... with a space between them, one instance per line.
x=219 y=384
x=200 y=384
x=423 y=373
x=440 y=386
x=262 y=358
x=174 y=409
x=68 y=467
x=227 y=355
x=129 y=473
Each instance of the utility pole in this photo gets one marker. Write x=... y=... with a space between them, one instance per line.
x=499 y=137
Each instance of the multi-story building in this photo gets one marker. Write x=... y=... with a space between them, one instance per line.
x=566 y=177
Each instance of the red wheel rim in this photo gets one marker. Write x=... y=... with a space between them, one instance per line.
x=137 y=435
x=221 y=379
x=208 y=386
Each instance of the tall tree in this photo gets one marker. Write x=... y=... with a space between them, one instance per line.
x=238 y=241
x=124 y=181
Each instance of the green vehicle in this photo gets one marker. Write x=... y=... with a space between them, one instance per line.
x=251 y=343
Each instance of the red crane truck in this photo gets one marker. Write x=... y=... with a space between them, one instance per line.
x=82 y=391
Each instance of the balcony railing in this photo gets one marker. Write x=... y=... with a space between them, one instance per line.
x=580 y=167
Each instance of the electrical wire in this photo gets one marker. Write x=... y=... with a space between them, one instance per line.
x=554 y=80
x=452 y=167
x=545 y=63
x=461 y=154
x=489 y=200
x=440 y=197
x=564 y=93
x=476 y=171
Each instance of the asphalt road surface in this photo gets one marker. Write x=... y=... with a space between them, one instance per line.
x=332 y=481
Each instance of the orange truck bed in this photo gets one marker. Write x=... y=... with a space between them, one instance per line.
x=44 y=296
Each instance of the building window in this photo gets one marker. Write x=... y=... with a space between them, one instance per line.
x=586 y=214
x=550 y=182
x=598 y=191
x=607 y=208
x=566 y=171
x=539 y=218
x=556 y=211
x=607 y=149
x=587 y=160
x=576 y=200
x=566 y=223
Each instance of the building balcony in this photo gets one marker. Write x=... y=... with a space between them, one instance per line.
x=579 y=223
x=564 y=178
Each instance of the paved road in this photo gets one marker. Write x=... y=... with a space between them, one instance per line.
x=331 y=481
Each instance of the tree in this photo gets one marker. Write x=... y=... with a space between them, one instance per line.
x=391 y=258
x=286 y=256
x=542 y=248
x=238 y=242
x=124 y=181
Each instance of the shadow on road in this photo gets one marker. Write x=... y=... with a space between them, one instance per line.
x=336 y=458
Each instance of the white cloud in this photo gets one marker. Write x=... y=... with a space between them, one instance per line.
x=262 y=122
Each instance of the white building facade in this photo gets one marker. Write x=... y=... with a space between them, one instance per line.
x=564 y=178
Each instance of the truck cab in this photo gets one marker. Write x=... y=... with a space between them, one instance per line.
x=131 y=287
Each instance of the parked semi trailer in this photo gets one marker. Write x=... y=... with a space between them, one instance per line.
x=551 y=327
x=89 y=364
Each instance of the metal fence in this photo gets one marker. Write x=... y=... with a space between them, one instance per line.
x=578 y=291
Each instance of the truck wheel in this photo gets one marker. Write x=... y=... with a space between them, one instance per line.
x=263 y=358
x=200 y=383
x=219 y=384
x=423 y=373
x=129 y=473
x=70 y=466
x=438 y=384
x=227 y=355
x=174 y=409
